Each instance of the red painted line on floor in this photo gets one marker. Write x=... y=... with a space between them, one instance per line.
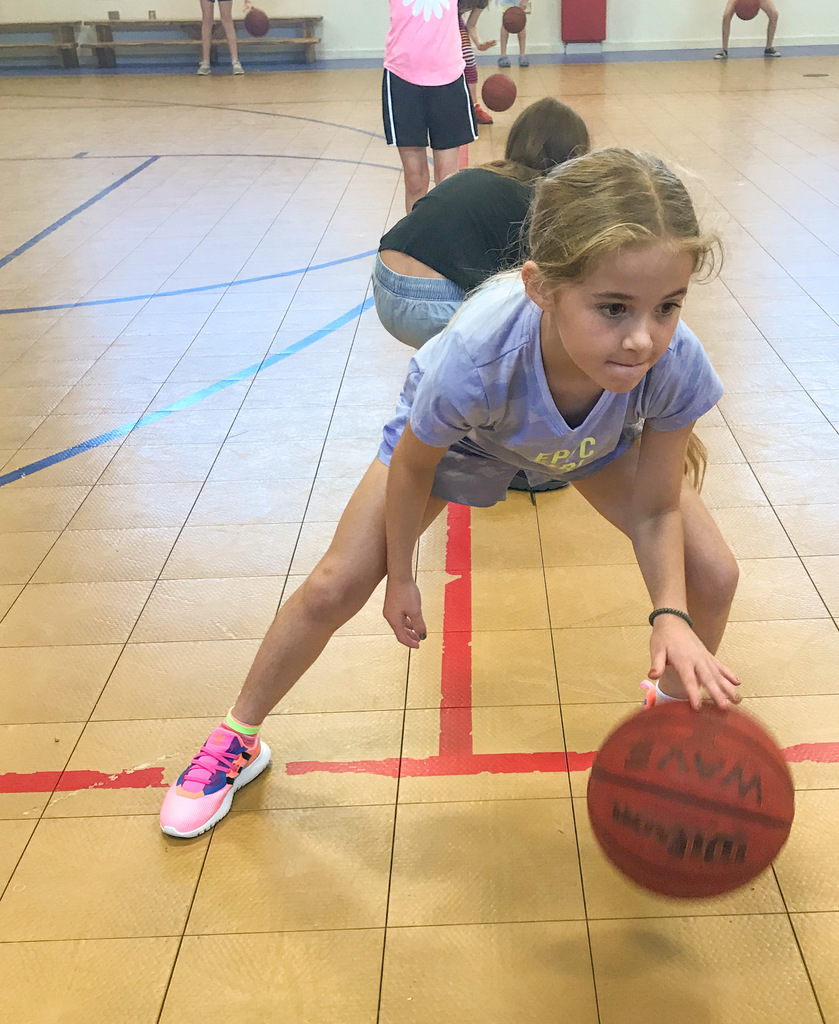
x=68 y=782
x=456 y=665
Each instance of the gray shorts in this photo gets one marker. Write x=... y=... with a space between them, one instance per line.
x=414 y=309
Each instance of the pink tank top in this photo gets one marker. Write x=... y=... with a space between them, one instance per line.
x=423 y=44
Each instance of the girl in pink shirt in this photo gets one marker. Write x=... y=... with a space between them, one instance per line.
x=425 y=98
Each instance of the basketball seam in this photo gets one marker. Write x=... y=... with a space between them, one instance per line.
x=688 y=799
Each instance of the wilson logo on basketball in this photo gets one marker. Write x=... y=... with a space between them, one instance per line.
x=677 y=761
x=720 y=848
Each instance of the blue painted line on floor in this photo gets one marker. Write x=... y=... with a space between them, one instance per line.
x=74 y=213
x=188 y=291
x=79 y=155
x=184 y=403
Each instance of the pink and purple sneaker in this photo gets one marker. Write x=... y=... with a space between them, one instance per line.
x=204 y=792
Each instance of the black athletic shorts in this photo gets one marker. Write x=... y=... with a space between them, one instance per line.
x=421 y=115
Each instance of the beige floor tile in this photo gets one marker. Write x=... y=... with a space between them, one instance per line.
x=495 y=765
x=806 y=867
x=800 y=483
x=824 y=571
x=74 y=981
x=354 y=673
x=775 y=588
x=508 y=667
x=21 y=554
x=729 y=485
x=138 y=464
x=587 y=726
x=62 y=683
x=505 y=536
x=572 y=533
x=188 y=679
x=228 y=503
x=291 y=976
x=207 y=552
x=692 y=969
x=71 y=882
x=818 y=936
x=798 y=721
x=611 y=895
x=488 y=972
x=811 y=528
x=601 y=664
x=14 y=835
x=31 y=758
x=597 y=595
x=208 y=609
x=791 y=657
x=310 y=869
x=9 y=593
x=87 y=556
x=753 y=532
x=135 y=506
x=48 y=614
x=485 y=862
x=38 y=509
x=500 y=599
x=328 y=760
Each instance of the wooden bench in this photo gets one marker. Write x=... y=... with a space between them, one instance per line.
x=106 y=45
x=63 y=40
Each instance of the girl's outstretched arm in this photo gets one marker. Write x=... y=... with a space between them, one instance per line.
x=409 y=482
x=472 y=29
x=656 y=530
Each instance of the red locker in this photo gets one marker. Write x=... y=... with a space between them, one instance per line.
x=583 y=21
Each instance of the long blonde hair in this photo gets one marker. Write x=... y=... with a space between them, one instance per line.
x=594 y=205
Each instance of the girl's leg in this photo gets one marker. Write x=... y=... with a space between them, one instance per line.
x=727 y=15
x=206 y=29
x=772 y=15
x=711 y=571
x=505 y=35
x=225 y=8
x=522 y=41
x=415 y=166
x=446 y=163
x=336 y=590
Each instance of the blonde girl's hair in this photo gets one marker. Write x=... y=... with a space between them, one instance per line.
x=610 y=199
x=545 y=134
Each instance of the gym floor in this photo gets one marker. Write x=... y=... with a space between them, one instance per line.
x=163 y=236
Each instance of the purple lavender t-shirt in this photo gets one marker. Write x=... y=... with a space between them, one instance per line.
x=480 y=386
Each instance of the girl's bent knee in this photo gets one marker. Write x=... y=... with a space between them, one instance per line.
x=333 y=598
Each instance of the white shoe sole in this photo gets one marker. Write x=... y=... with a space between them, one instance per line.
x=245 y=776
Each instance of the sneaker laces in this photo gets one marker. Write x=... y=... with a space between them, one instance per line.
x=207 y=762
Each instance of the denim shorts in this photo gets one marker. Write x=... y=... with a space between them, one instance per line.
x=414 y=309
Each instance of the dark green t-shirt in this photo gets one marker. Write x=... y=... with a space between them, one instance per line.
x=467 y=228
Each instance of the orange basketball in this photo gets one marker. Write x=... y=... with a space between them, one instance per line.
x=746 y=9
x=514 y=19
x=690 y=803
x=256 y=22
x=499 y=92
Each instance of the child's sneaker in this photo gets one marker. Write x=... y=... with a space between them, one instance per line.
x=481 y=116
x=204 y=792
x=237 y=68
x=770 y=51
x=524 y=62
x=503 y=62
x=722 y=55
x=204 y=68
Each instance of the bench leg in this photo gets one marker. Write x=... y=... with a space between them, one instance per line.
x=105 y=58
x=69 y=57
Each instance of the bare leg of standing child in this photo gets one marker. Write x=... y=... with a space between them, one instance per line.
x=225 y=8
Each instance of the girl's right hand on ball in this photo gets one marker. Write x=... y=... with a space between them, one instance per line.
x=403 y=612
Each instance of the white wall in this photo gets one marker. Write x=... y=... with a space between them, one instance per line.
x=357 y=28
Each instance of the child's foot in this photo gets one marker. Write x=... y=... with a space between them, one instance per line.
x=770 y=51
x=524 y=62
x=722 y=55
x=503 y=62
x=237 y=68
x=481 y=116
x=204 y=792
x=204 y=68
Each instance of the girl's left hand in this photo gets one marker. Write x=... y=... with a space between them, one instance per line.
x=674 y=643
x=486 y=46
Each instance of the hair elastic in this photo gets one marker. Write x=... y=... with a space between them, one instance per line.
x=670 y=611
